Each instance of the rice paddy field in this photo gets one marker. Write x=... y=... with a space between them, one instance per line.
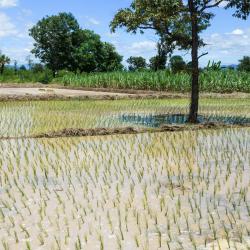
x=172 y=190
x=25 y=118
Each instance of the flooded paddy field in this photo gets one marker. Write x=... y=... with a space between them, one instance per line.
x=170 y=190
x=181 y=190
x=26 y=118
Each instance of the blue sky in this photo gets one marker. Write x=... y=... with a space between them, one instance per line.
x=228 y=37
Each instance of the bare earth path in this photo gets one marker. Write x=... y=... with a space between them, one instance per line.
x=49 y=91
x=56 y=91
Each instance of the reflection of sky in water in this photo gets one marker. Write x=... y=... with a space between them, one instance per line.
x=159 y=120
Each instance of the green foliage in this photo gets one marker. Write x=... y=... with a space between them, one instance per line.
x=37 y=67
x=22 y=75
x=244 y=64
x=157 y=63
x=61 y=44
x=171 y=19
x=177 y=64
x=45 y=76
x=87 y=45
x=213 y=65
x=110 y=60
x=54 y=40
x=214 y=81
x=242 y=8
x=168 y=18
x=22 y=67
x=136 y=63
x=3 y=61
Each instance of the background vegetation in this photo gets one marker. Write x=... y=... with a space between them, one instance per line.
x=222 y=81
x=78 y=57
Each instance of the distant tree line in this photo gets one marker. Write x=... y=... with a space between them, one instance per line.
x=177 y=64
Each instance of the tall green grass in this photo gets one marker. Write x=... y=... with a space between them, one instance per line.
x=26 y=76
x=212 y=81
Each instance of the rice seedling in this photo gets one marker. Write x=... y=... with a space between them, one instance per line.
x=37 y=117
x=181 y=190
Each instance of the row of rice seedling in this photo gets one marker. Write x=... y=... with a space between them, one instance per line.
x=30 y=118
x=215 y=81
x=185 y=190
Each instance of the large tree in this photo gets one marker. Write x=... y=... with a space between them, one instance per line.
x=198 y=9
x=54 y=41
x=60 y=43
x=179 y=23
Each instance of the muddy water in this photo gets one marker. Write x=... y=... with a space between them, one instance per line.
x=181 y=190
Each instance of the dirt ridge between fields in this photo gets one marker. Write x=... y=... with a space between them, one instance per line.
x=124 y=130
x=101 y=93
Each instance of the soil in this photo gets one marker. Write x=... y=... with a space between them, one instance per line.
x=124 y=130
x=54 y=91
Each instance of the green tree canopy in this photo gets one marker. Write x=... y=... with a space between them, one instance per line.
x=166 y=17
x=157 y=63
x=136 y=63
x=244 y=64
x=60 y=44
x=90 y=54
x=177 y=64
x=110 y=60
x=53 y=37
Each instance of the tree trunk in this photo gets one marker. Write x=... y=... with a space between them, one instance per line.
x=194 y=106
x=2 y=69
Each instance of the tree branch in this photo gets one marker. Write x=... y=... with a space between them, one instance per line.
x=211 y=6
x=204 y=54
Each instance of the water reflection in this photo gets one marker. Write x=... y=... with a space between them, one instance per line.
x=159 y=120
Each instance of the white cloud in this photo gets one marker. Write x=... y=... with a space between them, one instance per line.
x=237 y=32
x=7 y=28
x=19 y=52
x=228 y=47
x=92 y=20
x=146 y=48
x=8 y=3
x=236 y=40
x=142 y=46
